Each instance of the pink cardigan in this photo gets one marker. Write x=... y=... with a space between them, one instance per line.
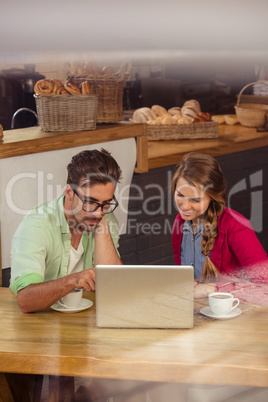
x=236 y=246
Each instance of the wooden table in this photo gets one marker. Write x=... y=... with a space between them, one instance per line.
x=230 y=352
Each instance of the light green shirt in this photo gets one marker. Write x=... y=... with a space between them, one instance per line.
x=41 y=245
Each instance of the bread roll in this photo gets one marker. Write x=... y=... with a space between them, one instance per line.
x=184 y=120
x=175 y=111
x=108 y=70
x=142 y=115
x=206 y=116
x=218 y=119
x=231 y=119
x=91 y=68
x=167 y=120
x=198 y=119
x=158 y=110
x=194 y=104
x=176 y=117
x=83 y=71
x=74 y=67
x=188 y=112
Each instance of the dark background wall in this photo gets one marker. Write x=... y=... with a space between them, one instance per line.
x=152 y=211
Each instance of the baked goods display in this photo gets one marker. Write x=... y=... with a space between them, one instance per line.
x=57 y=87
x=89 y=68
x=189 y=113
x=108 y=84
x=186 y=122
x=75 y=109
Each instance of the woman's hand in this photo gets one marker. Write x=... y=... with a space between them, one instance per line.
x=203 y=289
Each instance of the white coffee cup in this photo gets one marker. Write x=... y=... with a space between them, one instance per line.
x=222 y=303
x=72 y=299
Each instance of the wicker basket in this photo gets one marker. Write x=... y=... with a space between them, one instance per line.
x=182 y=131
x=251 y=114
x=66 y=112
x=110 y=91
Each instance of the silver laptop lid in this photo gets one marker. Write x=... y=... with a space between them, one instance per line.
x=144 y=296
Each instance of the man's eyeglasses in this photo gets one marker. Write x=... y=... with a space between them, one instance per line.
x=92 y=206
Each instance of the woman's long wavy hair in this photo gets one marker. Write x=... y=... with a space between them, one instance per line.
x=204 y=172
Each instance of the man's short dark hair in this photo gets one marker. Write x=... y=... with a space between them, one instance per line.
x=93 y=167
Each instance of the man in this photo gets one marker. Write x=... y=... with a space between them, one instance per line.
x=58 y=243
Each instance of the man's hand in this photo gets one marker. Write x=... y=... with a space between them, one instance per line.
x=39 y=296
x=202 y=290
x=85 y=280
x=105 y=251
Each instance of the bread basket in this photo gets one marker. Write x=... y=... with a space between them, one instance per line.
x=66 y=112
x=109 y=89
x=191 y=131
x=251 y=114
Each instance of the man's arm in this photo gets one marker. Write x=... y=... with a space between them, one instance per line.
x=105 y=251
x=39 y=296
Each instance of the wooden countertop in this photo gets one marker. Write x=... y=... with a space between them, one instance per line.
x=33 y=140
x=231 y=139
x=150 y=154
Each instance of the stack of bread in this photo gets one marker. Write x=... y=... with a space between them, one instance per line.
x=189 y=113
x=89 y=68
x=57 y=87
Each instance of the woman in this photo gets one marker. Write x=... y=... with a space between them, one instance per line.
x=206 y=234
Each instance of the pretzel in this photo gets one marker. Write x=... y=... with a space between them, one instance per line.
x=72 y=88
x=44 y=87
x=86 y=88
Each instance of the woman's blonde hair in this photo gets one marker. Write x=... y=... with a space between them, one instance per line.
x=204 y=173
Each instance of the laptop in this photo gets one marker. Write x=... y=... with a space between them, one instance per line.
x=144 y=296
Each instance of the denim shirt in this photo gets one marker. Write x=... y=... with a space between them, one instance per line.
x=191 y=248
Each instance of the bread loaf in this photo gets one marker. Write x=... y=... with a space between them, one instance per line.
x=75 y=66
x=167 y=120
x=143 y=114
x=184 y=120
x=175 y=111
x=108 y=70
x=194 y=104
x=158 y=110
x=188 y=112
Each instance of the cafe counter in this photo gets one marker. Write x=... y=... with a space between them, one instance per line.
x=231 y=139
x=150 y=154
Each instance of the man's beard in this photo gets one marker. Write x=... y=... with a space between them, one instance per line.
x=82 y=226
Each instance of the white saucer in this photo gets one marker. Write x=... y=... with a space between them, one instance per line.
x=206 y=311
x=83 y=305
